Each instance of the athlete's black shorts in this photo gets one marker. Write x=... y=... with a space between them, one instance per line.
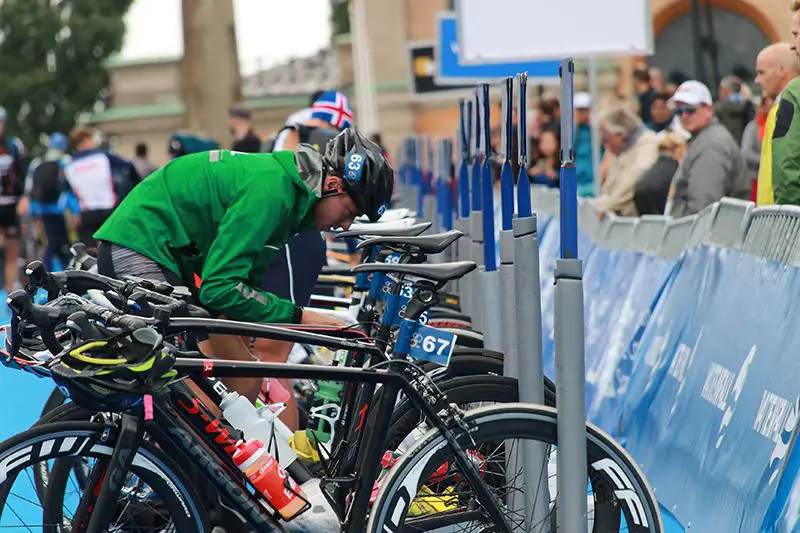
x=293 y=272
x=9 y=220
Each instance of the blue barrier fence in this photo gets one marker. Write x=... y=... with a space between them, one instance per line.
x=690 y=365
x=690 y=355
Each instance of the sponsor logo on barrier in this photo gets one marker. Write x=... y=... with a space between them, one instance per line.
x=738 y=386
x=681 y=361
x=625 y=491
x=782 y=438
x=772 y=415
x=719 y=382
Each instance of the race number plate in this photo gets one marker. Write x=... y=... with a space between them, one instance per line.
x=433 y=345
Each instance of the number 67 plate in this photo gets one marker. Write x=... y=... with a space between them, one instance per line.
x=433 y=345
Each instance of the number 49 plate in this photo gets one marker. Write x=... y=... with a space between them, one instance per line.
x=433 y=345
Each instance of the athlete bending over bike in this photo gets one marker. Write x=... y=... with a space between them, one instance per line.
x=220 y=216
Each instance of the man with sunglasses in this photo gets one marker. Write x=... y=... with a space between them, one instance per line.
x=713 y=166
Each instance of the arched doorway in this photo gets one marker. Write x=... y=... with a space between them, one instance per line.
x=739 y=39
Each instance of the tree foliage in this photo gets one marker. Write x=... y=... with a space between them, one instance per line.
x=340 y=17
x=52 y=55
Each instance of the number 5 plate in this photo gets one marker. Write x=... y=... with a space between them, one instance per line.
x=433 y=345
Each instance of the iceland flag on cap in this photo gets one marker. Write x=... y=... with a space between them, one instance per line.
x=334 y=108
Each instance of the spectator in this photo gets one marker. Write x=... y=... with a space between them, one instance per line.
x=545 y=171
x=376 y=138
x=645 y=92
x=713 y=166
x=752 y=138
x=550 y=115
x=660 y=113
x=632 y=149
x=657 y=81
x=298 y=117
x=182 y=143
x=733 y=110
x=244 y=138
x=44 y=186
x=583 y=144
x=96 y=181
x=650 y=193
x=142 y=163
x=777 y=66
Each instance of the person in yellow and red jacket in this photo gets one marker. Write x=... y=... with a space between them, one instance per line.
x=778 y=69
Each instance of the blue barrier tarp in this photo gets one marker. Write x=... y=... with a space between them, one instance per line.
x=627 y=284
x=713 y=388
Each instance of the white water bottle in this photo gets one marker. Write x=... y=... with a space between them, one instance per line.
x=262 y=424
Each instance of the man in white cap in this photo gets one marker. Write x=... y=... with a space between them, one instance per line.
x=582 y=102
x=713 y=166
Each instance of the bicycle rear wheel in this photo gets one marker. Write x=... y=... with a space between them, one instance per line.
x=424 y=493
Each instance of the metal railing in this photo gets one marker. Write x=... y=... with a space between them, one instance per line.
x=772 y=232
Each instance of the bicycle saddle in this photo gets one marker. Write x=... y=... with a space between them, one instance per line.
x=427 y=244
x=386 y=230
x=441 y=272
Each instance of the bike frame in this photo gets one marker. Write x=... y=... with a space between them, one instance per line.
x=224 y=476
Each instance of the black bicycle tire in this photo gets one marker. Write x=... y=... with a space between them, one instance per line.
x=67 y=412
x=473 y=364
x=460 y=391
x=466 y=337
x=181 y=496
x=56 y=399
x=537 y=421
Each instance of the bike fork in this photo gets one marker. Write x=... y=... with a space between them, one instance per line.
x=370 y=465
x=128 y=440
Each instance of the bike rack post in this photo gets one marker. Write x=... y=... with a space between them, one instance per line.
x=428 y=176
x=402 y=172
x=444 y=190
x=527 y=321
x=508 y=290
x=476 y=215
x=569 y=333
x=416 y=174
x=464 y=244
x=490 y=277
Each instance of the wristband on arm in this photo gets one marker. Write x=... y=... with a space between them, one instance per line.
x=297 y=317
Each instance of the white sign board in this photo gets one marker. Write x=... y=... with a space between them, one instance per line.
x=500 y=31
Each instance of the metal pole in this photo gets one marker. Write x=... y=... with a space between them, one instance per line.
x=444 y=197
x=366 y=94
x=526 y=357
x=490 y=293
x=428 y=184
x=475 y=218
x=697 y=42
x=415 y=172
x=508 y=307
x=569 y=334
x=595 y=94
x=464 y=244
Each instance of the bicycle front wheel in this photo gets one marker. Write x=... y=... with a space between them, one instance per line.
x=156 y=496
x=425 y=492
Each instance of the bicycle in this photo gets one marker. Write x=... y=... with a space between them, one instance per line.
x=450 y=432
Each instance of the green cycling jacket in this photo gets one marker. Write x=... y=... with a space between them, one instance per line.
x=222 y=216
x=786 y=147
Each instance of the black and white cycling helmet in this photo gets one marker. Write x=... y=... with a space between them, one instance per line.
x=368 y=178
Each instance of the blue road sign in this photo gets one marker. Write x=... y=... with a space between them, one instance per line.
x=451 y=72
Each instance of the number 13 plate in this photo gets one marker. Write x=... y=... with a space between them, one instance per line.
x=433 y=345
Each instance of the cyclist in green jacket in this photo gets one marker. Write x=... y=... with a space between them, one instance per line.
x=220 y=216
